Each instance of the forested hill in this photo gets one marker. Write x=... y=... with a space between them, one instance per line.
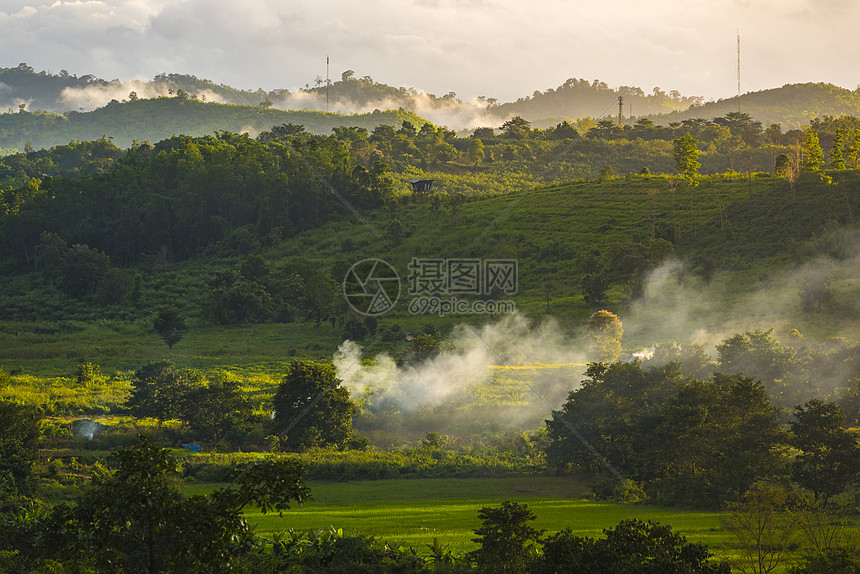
x=64 y=92
x=578 y=98
x=792 y=105
x=23 y=89
x=161 y=118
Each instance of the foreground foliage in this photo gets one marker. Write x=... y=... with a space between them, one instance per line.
x=133 y=519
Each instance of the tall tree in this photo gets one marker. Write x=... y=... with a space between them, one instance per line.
x=837 y=158
x=312 y=407
x=631 y=546
x=813 y=155
x=604 y=330
x=320 y=295
x=516 y=128
x=713 y=441
x=475 y=151
x=686 y=154
x=852 y=152
x=830 y=457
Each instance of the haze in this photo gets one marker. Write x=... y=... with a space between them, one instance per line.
x=496 y=48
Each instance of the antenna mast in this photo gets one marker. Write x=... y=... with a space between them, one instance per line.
x=328 y=81
x=739 y=71
x=620 y=109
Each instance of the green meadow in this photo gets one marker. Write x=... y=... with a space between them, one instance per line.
x=415 y=511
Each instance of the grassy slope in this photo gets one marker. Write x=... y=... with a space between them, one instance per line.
x=548 y=230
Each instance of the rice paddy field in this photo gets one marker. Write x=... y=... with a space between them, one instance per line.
x=415 y=511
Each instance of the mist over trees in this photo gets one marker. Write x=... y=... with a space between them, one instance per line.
x=45 y=109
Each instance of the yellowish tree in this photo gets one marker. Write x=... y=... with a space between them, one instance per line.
x=604 y=331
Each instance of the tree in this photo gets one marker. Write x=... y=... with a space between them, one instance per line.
x=506 y=538
x=713 y=441
x=475 y=151
x=51 y=253
x=593 y=288
x=742 y=126
x=706 y=268
x=217 y=409
x=160 y=391
x=312 y=407
x=483 y=134
x=614 y=410
x=853 y=151
x=761 y=355
x=830 y=457
x=604 y=330
x=633 y=546
x=135 y=519
x=764 y=528
x=686 y=156
x=782 y=165
x=237 y=299
x=835 y=561
x=19 y=434
x=813 y=155
x=320 y=296
x=837 y=159
x=113 y=286
x=848 y=396
x=422 y=347
x=516 y=128
x=170 y=326
x=82 y=270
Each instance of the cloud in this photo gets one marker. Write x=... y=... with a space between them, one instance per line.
x=496 y=48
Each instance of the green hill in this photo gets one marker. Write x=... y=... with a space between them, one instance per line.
x=792 y=105
x=160 y=118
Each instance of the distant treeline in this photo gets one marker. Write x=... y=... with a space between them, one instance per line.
x=163 y=117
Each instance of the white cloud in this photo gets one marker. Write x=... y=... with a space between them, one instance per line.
x=498 y=48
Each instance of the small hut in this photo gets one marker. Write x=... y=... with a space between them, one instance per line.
x=421 y=187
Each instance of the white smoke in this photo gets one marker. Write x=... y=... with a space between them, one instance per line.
x=495 y=377
x=456 y=388
x=677 y=306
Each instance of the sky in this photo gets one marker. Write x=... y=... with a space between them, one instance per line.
x=502 y=49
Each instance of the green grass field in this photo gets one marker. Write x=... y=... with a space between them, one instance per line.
x=414 y=511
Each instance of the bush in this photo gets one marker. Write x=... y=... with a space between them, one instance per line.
x=506 y=538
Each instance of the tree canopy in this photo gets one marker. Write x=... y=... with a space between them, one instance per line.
x=312 y=408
